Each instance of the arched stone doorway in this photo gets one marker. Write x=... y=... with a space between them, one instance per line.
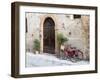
x=49 y=35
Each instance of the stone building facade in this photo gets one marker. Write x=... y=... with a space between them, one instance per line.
x=74 y=27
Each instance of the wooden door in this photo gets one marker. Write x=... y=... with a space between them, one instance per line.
x=49 y=36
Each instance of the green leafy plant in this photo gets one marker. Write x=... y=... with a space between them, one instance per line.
x=37 y=45
x=61 y=39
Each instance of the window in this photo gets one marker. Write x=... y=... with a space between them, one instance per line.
x=77 y=16
x=26 y=25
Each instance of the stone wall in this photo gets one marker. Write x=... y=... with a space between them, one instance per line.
x=76 y=30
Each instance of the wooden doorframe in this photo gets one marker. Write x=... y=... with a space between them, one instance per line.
x=48 y=45
x=42 y=19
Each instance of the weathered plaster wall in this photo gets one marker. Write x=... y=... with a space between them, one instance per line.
x=85 y=35
x=76 y=30
x=33 y=30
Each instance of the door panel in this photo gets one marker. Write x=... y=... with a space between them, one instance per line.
x=49 y=36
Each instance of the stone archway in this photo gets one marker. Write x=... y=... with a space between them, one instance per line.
x=42 y=19
x=49 y=35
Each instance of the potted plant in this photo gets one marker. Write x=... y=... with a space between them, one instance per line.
x=61 y=39
x=37 y=46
